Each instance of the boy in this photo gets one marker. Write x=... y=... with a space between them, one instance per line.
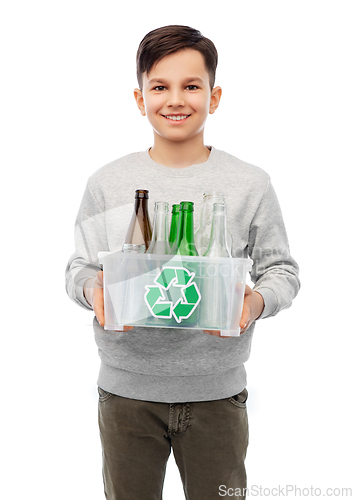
x=178 y=389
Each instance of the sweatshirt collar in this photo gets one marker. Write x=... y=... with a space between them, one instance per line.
x=180 y=172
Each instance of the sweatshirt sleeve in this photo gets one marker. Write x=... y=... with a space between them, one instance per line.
x=90 y=238
x=274 y=272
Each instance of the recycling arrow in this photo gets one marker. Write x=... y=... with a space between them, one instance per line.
x=178 y=276
x=185 y=306
x=154 y=298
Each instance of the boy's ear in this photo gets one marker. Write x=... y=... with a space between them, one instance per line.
x=216 y=94
x=139 y=101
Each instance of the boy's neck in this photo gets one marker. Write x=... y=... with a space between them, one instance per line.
x=179 y=154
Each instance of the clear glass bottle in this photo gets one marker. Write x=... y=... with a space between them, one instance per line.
x=159 y=242
x=203 y=233
x=218 y=246
x=138 y=235
x=215 y=301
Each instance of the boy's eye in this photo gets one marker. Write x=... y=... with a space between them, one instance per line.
x=160 y=88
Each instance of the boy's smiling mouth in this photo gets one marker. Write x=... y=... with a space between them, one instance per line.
x=176 y=118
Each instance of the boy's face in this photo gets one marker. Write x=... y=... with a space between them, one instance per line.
x=176 y=96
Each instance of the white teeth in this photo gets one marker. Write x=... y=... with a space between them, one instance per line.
x=182 y=117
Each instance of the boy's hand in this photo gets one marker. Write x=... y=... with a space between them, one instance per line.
x=252 y=308
x=93 y=291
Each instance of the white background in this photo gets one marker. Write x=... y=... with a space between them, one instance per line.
x=67 y=108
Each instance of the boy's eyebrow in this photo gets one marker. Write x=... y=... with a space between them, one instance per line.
x=155 y=80
x=194 y=79
x=188 y=80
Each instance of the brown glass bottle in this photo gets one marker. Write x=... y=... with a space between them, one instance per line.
x=139 y=233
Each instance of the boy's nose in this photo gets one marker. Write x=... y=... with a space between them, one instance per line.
x=175 y=99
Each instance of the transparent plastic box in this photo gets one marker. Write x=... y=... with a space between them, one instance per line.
x=173 y=291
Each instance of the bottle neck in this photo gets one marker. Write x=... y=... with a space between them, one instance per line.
x=160 y=221
x=139 y=231
x=186 y=226
x=219 y=228
x=207 y=206
x=141 y=205
x=185 y=243
x=159 y=241
x=174 y=224
x=218 y=241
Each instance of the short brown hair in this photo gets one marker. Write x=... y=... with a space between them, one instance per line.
x=168 y=39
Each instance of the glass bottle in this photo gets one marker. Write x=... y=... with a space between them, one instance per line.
x=185 y=244
x=138 y=236
x=174 y=224
x=159 y=242
x=218 y=246
x=203 y=233
x=215 y=300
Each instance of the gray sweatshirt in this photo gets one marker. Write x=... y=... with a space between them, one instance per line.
x=179 y=365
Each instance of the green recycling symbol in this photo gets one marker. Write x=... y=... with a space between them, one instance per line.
x=185 y=306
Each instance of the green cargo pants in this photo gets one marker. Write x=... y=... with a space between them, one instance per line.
x=209 y=441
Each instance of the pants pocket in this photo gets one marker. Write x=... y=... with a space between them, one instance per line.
x=239 y=399
x=104 y=395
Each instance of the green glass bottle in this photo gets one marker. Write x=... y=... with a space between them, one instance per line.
x=174 y=224
x=185 y=244
x=184 y=308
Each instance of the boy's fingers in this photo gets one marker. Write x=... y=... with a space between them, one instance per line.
x=244 y=321
x=98 y=305
x=245 y=316
x=100 y=277
x=216 y=333
x=100 y=316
